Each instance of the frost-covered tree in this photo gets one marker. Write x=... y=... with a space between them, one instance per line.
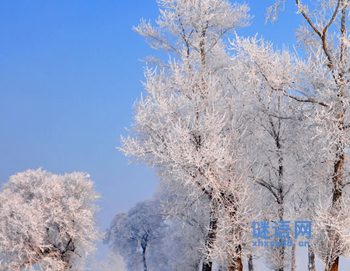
x=175 y=234
x=135 y=235
x=47 y=221
x=183 y=244
x=193 y=29
x=186 y=126
x=324 y=77
x=320 y=81
x=187 y=219
x=274 y=129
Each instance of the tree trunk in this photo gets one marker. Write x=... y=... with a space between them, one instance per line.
x=280 y=193
x=311 y=265
x=207 y=266
x=210 y=239
x=144 y=258
x=293 y=267
x=335 y=265
x=250 y=263
x=337 y=194
x=237 y=265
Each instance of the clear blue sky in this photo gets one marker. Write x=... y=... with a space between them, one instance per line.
x=69 y=75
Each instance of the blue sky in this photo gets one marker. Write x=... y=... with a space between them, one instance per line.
x=69 y=75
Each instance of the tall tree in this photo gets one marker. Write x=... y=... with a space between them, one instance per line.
x=273 y=129
x=47 y=221
x=186 y=124
x=320 y=79
x=326 y=41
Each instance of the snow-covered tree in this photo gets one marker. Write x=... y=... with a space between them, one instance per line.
x=320 y=81
x=186 y=125
x=187 y=219
x=324 y=77
x=274 y=129
x=193 y=29
x=47 y=221
x=134 y=235
x=183 y=245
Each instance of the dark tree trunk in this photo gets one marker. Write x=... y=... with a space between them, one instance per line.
x=311 y=265
x=144 y=258
x=280 y=201
x=337 y=194
x=207 y=266
x=335 y=265
x=210 y=239
x=293 y=267
x=250 y=263
x=237 y=265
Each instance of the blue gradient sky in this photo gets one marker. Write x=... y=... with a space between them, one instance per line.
x=69 y=75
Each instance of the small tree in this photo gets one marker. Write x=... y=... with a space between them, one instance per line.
x=47 y=221
x=131 y=234
x=187 y=217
